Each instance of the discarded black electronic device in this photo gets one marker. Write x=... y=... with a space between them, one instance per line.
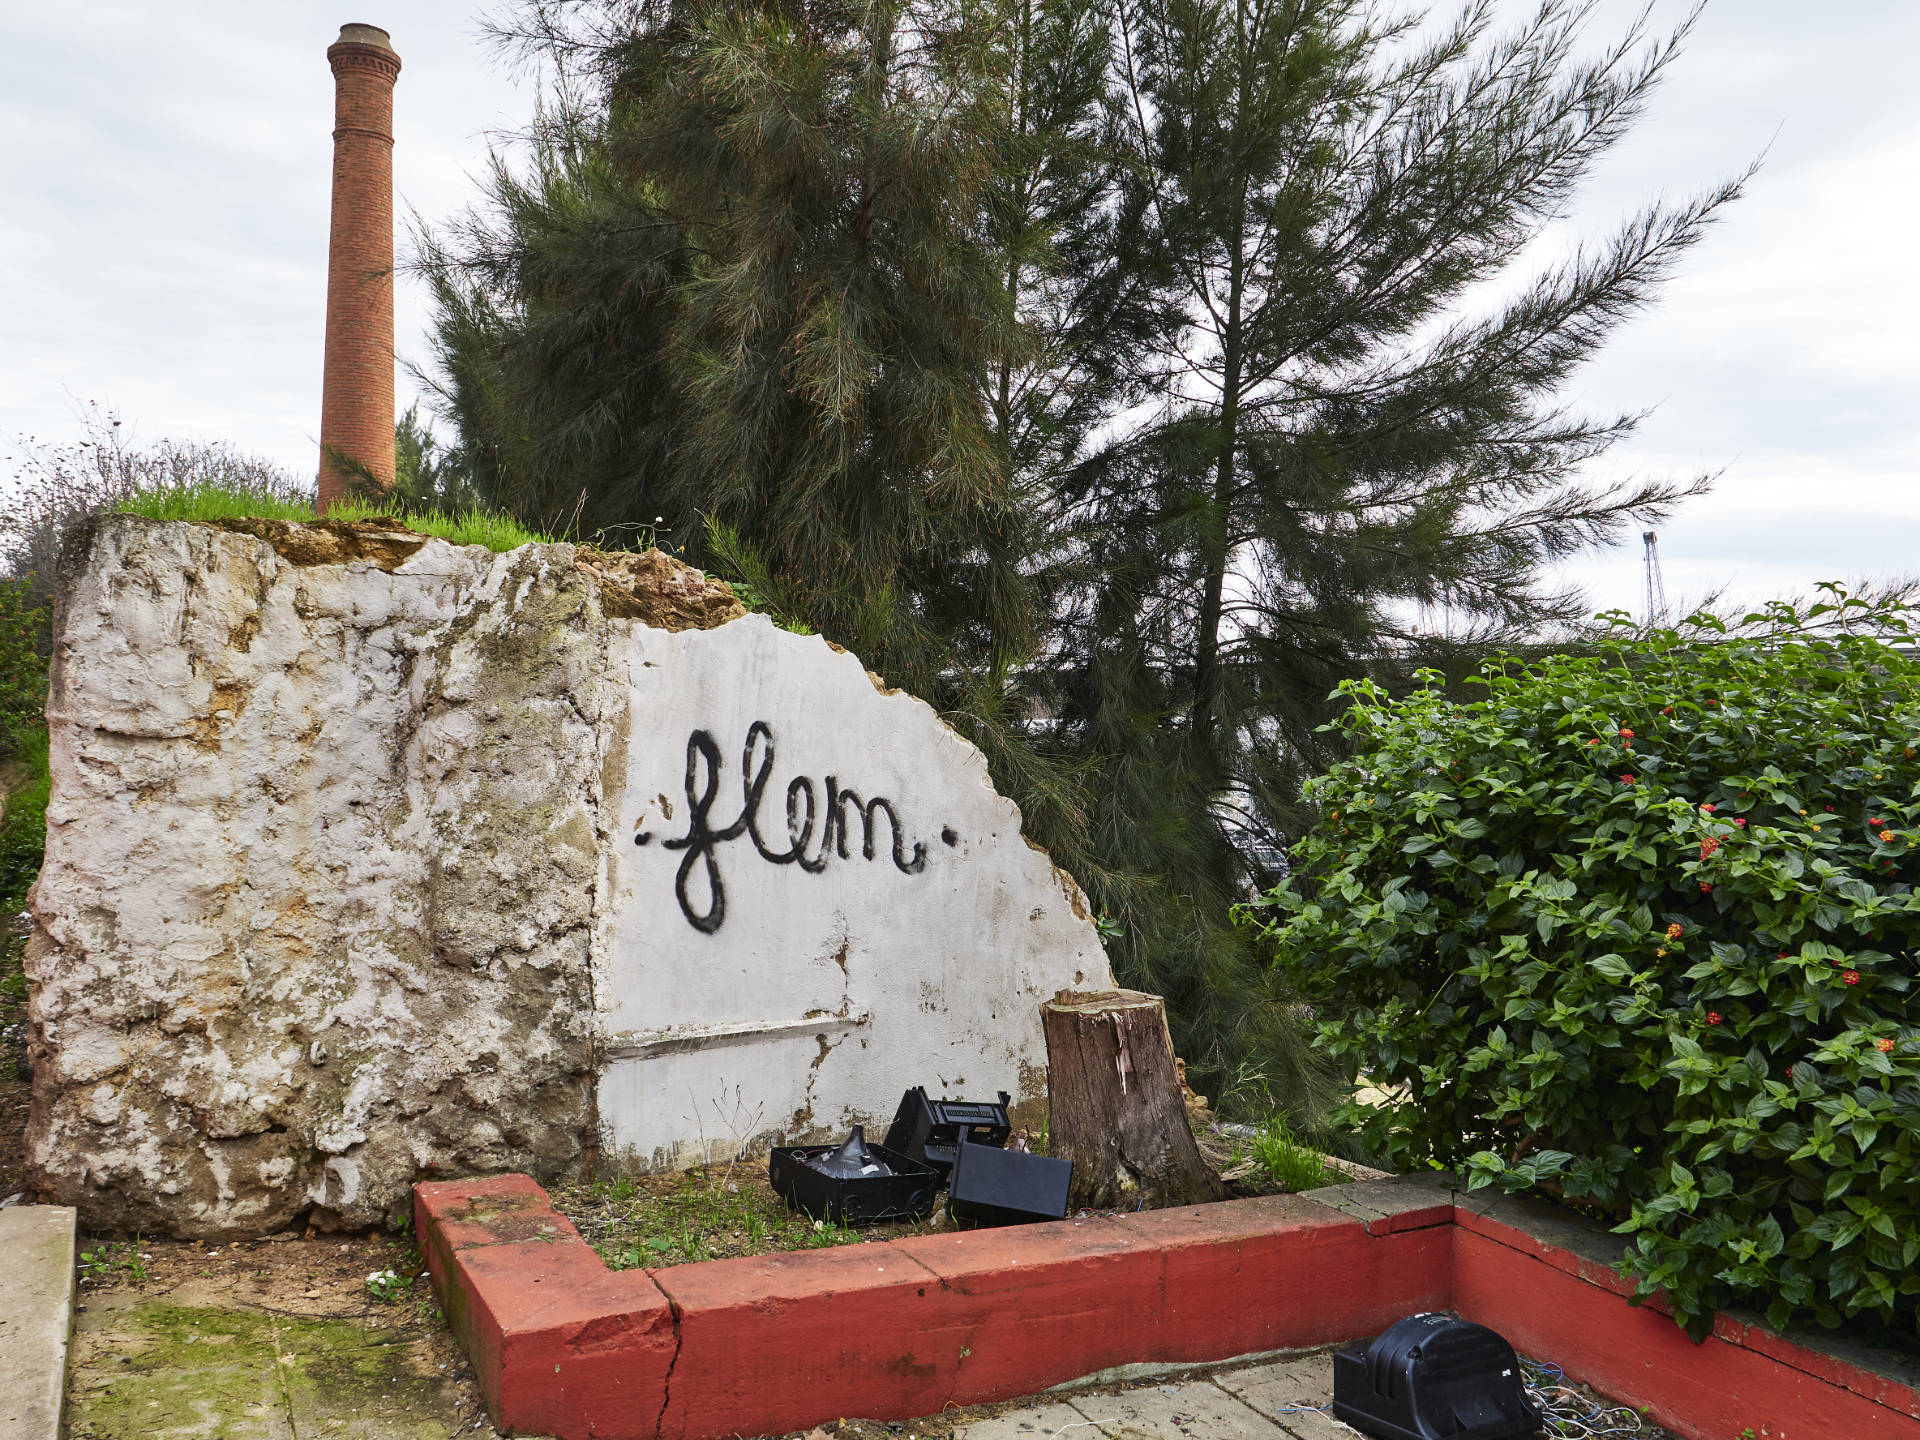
x=991 y=1186
x=1434 y=1377
x=928 y=1130
x=853 y=1183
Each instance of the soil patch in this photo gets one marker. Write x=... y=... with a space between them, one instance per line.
x=383 y=540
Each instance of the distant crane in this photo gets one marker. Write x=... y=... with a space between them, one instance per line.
x=1656 y=585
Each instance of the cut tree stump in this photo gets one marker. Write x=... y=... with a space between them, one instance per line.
x=1115 y=1105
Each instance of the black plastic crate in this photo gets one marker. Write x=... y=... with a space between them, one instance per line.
x=990 y=1186
x=928 y=1130
x=906 y=1194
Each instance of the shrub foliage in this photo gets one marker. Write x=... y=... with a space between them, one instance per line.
x=1637 y=930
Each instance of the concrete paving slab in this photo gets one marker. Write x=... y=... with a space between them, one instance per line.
x=1036 y=1422
x=1192 y=1410
x=1317 y=1425
x=1295 y=1393
x=1293 y=1381
x=152 y=1370
x=36 y=1318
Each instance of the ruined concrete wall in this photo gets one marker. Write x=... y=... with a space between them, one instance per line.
x=820 y=901
x=342 y=887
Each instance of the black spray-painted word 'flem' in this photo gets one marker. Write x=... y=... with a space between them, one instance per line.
x=756 y=770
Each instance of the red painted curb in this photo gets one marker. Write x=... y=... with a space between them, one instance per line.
x=897 y=1329
x=1283 y=1273
x=560 y=1345
x=1548 y=1301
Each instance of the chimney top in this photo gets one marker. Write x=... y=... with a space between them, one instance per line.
x=365 y=35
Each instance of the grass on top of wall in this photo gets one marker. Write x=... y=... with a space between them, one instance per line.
x=208 y=500
x=205 y=501
x=467 y=527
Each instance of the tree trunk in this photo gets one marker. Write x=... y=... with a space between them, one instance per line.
x=1115 y=1106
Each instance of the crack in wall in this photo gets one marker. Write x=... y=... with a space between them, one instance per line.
x=666 y=1384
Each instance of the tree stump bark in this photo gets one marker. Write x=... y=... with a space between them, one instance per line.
x=1115 y=1105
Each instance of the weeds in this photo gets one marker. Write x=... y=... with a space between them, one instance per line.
x=395 y=1283
x=496 y=532
x=103 y=1259
x=204 y=500
x=704 y=1216
x=387 y=1286
x=212 y=500
x=1287 y=1162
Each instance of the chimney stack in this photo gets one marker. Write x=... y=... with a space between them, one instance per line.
x=356 y=396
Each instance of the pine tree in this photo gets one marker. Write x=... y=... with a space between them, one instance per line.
x=749 y=287
x=1120 y=379
x=1345 y=433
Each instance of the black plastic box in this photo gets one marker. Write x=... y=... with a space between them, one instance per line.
x=907 y=1194
x=1434 y=1377
x=990 y=1186
x=928 y=1130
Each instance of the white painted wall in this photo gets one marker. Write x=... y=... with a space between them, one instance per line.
x=808 y=1001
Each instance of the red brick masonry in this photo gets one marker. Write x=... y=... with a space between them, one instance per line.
x=893 y=1329
x=357 y=384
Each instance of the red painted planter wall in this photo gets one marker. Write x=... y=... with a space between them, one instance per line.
x=897 y=1329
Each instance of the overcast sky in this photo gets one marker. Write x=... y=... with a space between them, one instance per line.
x=163 y=224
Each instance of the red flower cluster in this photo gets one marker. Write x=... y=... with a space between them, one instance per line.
x=1705 y=889
x=1707 y=847
x=1708 y=809
x=1877 y=823
x=1713 y=1017
x=1885 y=1045
x=1740 y=824
x=1852 y=977
x=1626 y=734
x=1626 y=779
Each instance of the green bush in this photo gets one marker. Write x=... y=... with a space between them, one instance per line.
x=23 y=831
x=1637 y=931
x=24 y=637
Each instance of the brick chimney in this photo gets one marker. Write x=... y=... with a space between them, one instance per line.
x=356 y=394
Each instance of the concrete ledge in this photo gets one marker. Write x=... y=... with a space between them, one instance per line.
x=36 y=1318
x=896 y=1329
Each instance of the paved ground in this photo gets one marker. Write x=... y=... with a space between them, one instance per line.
x=1281 y=1399
x=275 y=1340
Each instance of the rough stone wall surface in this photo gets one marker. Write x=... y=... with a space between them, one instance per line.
x=319 y=882
x=365 y=865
